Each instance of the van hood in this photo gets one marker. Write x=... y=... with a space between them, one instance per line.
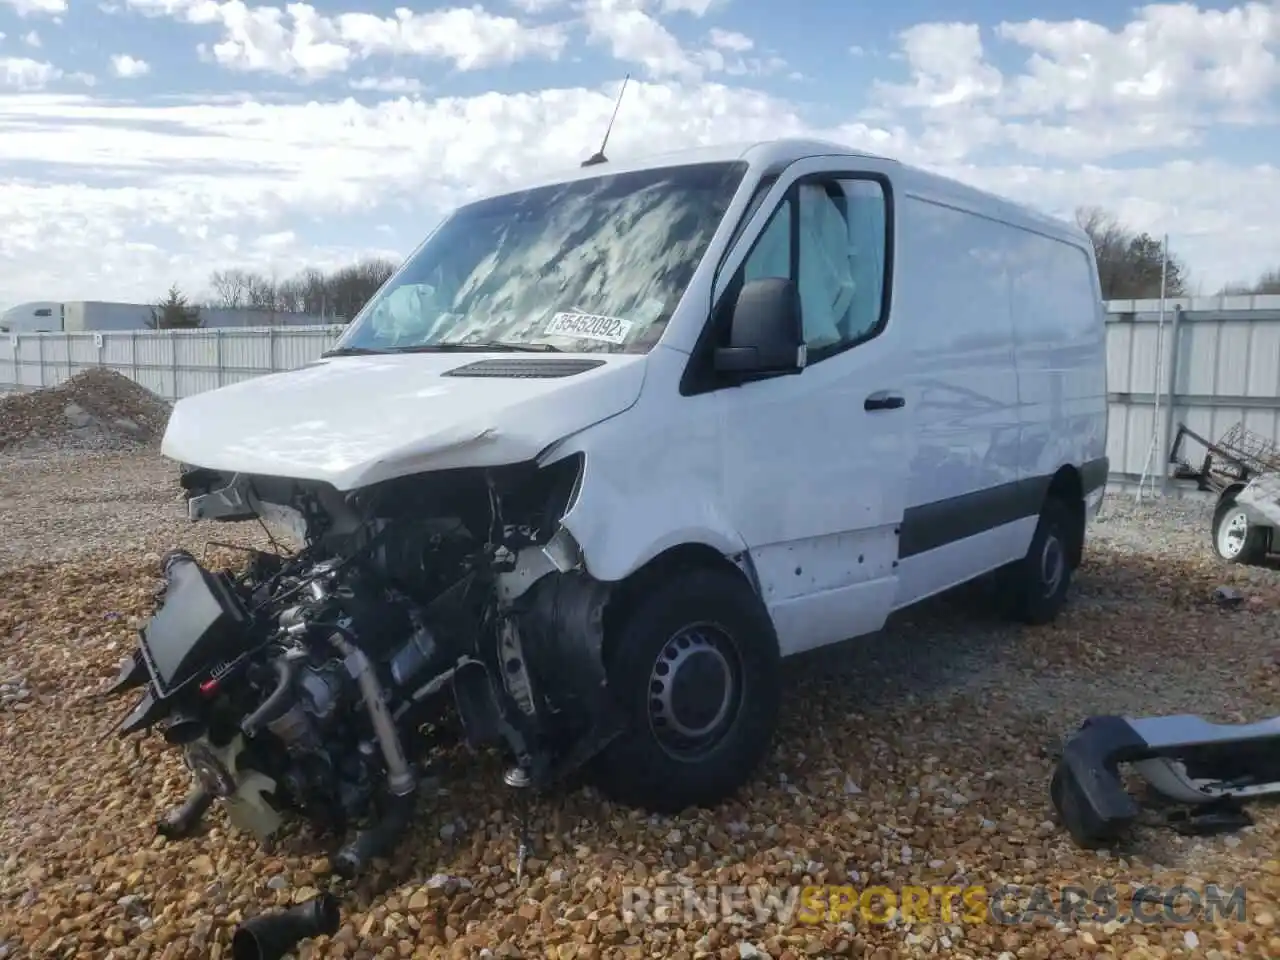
x=354 y=421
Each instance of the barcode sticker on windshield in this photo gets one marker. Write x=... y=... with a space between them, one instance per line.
x=589 y=326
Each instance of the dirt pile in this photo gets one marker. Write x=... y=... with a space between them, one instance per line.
x=96 y=410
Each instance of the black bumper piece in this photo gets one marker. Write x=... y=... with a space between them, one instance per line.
x=1086 y=789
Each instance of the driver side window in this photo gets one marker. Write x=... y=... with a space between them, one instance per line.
x=831 y=238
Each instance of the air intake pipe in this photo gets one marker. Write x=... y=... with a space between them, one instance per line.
x=270 y=936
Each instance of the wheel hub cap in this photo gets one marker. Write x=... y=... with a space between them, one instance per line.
x=1053 y=562
x=1231 y=539
x=693 y=689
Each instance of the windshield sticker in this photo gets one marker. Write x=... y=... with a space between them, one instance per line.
x=589 y=326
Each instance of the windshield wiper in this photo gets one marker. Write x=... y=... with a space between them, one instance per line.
x=493 y=346
x=350 y=352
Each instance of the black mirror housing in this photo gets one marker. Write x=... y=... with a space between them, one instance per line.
x=766 y=333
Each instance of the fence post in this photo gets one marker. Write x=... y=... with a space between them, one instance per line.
x=40 y=356
x=1171 y=394
x=133 y=355
x=271 y=349
x=217 y=354
x=173 y=361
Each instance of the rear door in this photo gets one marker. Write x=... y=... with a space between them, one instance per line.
x=814 y=464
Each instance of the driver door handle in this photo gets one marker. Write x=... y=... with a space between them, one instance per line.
x=884 y=400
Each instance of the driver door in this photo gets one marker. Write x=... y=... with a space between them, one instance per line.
x=815 y=463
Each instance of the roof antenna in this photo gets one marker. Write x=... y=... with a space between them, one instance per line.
x=598 y=157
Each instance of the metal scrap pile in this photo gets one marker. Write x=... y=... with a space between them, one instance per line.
x=96 y=409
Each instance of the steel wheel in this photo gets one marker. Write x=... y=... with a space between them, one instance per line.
x=695 y=689
x=1053 y=564
x=1232 y=532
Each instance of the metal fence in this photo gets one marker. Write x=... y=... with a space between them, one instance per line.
x=170 y=363
x=1219 y=358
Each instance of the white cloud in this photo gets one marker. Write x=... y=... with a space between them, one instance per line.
x=730 y=40
x=148 y=194
x=947 y=66
x=297 y=41
x=1170 y=53
x=634 y=34
x=127 y=67
x=699 y=8
x=186 y=178
x=32 y=39
x=1088 y=92
x=20 y=73
x=26 y=8
x=388 y=84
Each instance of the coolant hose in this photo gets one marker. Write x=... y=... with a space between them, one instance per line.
x=379 y=839
x=400 y=779
x=274 y=704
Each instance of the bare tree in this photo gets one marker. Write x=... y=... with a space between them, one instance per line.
x=351 y=287
x=1130 y=264
x=262 y=294
x=1268 y=282
x=339 y=294
x=230 y=288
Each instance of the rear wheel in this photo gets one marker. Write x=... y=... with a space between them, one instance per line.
x=1037 y=584
x=1235 y=539
x=695 y=670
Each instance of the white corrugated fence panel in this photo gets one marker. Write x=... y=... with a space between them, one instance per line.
x=1227 y=368
x=246 y=350
x=117 y=352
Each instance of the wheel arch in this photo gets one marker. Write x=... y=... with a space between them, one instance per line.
x=1067 y=487
x=1228 y=495
x=671 y=562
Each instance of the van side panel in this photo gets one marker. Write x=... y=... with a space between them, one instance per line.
x=1061 y=356
x=952 y=305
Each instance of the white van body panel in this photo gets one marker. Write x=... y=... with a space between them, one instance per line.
x=354 y=421
x=838 y=514
x=652 y=480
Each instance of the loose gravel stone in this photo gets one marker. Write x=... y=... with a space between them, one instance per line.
x=917 y=757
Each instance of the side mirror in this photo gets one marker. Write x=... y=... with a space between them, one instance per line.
x=766 y=333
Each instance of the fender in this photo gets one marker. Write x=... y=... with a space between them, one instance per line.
x=619 y=533
x=652 y=477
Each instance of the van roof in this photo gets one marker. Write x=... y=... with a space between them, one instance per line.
x=773 y=153
x=766 y=153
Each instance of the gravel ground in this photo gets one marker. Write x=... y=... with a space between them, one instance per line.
x=919 y=757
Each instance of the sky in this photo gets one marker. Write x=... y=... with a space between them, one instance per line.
x=145 y=143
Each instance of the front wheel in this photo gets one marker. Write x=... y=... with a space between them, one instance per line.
x=1235 y=539
x=695 y=670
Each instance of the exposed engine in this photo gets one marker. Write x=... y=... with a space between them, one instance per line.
x=301 y=685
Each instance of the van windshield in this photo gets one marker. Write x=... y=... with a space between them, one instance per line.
x=589 y=265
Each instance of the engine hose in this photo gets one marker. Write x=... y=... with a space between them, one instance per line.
x=379 y=839
x=274 y=704
x=400 y=779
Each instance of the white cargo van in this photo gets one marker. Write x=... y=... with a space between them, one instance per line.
x=692 y=415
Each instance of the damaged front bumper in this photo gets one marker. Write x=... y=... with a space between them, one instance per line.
x=1090 y=797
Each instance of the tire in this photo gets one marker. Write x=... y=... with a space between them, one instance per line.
x=1235 y=540
x=707 y=620
x=1037 y=585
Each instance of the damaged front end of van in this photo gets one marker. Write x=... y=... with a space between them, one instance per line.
x=425 y=474
x=302 y=683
